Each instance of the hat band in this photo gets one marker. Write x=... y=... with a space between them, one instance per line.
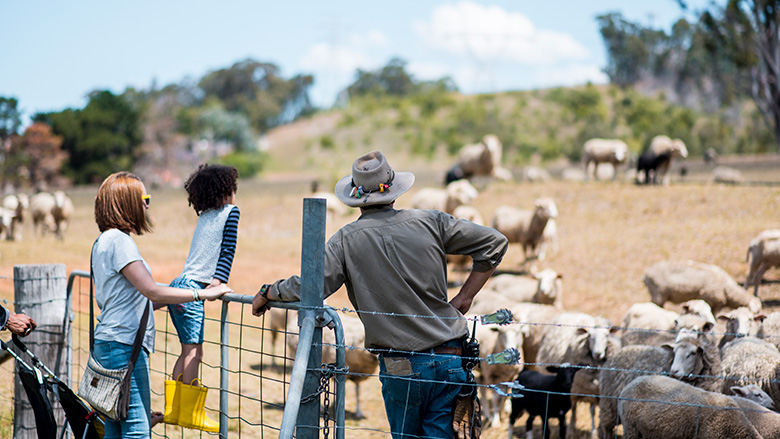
x=359 y=191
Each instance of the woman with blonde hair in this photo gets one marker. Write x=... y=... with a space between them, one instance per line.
x=124 y=288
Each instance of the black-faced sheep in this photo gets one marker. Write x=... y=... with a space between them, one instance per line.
x=543 y=395
x=662 y=407
x=525 y=227
x=763 y=253
x=598 y=151
x=446 y=200
x=680 y=281
x=749 y=360
x=650 y=165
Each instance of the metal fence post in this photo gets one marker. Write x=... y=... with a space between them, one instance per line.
x=312 y=285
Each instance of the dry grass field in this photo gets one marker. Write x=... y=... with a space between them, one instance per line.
x=609 y=233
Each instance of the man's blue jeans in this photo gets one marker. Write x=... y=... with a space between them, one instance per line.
x=115 y=355
x=419 y=390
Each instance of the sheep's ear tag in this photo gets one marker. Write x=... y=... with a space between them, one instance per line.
x=508 y=356
x=500 y=317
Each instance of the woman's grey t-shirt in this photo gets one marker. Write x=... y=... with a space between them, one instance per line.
x=121 y=304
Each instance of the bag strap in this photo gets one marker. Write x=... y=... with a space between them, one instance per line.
x=141 y=327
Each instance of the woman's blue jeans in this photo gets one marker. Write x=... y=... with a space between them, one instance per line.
x=419 y=390
x=115 y=355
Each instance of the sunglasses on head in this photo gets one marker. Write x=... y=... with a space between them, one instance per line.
x=147 y=199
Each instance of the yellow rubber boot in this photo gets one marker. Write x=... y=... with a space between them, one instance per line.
x=172 y=397
x=192 y=408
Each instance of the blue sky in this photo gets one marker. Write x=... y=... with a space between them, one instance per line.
x=54 y=53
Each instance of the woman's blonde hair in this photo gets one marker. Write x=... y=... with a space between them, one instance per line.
x=119 y=205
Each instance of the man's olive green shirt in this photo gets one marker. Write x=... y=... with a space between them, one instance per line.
x=393 y=264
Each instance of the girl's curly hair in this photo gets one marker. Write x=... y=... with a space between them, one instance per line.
x=208 y=186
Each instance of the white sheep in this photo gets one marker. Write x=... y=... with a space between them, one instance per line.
x=598 y=151
x=680 y=281
x=535 y=318
x=493 y=340
x=17 y=203
x=697 y=362
x=684 y=325
x=575 y=338
x=544 y=287
x=361 y=363
x=62 y=213
x=549 y=235
x=675 y=148
x=7 y=217
x=749 y=360
x=698 y=307
x=727 y=175
x=276 y=321
x=457 y=193
x=41 y=206
x=763 y=253
x=621 y=368
x=525 y=227
x=662 y=407
x=765 y=420
x=738 y=322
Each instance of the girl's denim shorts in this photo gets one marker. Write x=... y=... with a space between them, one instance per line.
x=188 y=317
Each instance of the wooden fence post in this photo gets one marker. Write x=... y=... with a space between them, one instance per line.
x=40 y=291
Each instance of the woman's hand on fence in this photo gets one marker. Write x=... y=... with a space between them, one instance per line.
x=214 y=293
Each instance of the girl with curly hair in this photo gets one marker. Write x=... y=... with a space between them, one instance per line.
x=211 y=191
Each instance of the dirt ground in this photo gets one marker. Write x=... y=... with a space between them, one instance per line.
x=609 y=233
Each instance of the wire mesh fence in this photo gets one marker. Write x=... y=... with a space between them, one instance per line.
x=248 y=361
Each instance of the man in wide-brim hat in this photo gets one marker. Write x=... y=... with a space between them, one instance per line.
x=393 y=263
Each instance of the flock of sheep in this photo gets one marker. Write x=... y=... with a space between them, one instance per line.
x=50 y=213
x=710 y=371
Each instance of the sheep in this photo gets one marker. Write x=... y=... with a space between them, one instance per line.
x=662 y=407
x=543 y=395
x=41 y=206
x=17 y=203
x=755 y=394
x=535 y=174
x=480 y=159
x=750 y=360
x=577 y=338
x=698 y=307
x=727 y=175
x=62 y=212
x=620 y=369
x=663 y=145
x=361 y=363
x=535 y=318
x=525 y=227
x=684 y=325
x=766 y=421
x=612 y=151
x=739 y=322
x=680 y=281
x=492 y=340
x=276 y=321
x=769 y=329
x=651 y=165
x=697 y=362
x=457 y=193
x=549 y=235
x=763 y=253
x=545 y=287
x=7 y=218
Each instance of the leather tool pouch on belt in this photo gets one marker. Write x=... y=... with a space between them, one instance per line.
x=467 y=410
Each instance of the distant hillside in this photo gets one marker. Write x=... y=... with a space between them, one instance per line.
x=543 y=127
